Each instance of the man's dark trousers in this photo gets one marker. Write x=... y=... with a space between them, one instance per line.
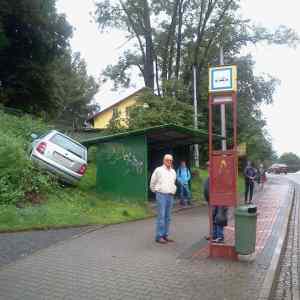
x=249 y=188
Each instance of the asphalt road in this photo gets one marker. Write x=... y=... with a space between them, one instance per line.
x=14 y=246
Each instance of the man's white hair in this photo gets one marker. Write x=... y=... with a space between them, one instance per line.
x=168 y=156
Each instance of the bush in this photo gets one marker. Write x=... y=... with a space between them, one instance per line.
x=18 y=177
x=21 y=127
x=92 y=154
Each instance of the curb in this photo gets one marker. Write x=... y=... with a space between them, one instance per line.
x=50 y=227
x=295 y=275
x=295 y=291
x=267 y=286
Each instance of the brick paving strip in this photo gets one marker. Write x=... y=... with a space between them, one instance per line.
x=123 y=262
x=268 y=205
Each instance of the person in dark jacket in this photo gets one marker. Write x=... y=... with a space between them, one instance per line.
x=219 y=222
x=249 y=174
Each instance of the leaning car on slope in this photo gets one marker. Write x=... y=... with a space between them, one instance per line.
x=60 y=155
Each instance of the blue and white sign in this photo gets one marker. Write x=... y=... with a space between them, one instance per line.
x=223 y=79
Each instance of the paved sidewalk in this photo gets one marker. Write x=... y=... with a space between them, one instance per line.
x=123 y=262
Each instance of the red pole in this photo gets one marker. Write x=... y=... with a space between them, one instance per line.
x=210 y=149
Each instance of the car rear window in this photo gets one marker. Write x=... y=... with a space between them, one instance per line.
x=69 y=145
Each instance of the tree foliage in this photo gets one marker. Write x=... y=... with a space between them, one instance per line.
x=292 y=160
x=187 y=33
x=135 y=17
x=73 y=89
x=152 y=110
x=173 y=35
x=38 y=72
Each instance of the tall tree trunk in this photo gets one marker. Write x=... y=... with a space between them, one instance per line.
x=149 y=61
x=170 y=64
x=179 y=40
x=169 y=44
x=157 y=76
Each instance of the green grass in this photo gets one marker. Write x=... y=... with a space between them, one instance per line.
x=65 y=212
x=71 y=206
x=241 y=184
x=197 y=185
x=81 y=205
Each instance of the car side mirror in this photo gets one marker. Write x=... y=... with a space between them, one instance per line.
x=34 y=136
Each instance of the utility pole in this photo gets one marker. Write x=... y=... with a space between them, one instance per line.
x=223 y=112
x=196 y=146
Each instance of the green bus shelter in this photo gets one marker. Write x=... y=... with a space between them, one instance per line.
x=125 y=161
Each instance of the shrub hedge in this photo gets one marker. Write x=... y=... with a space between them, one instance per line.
x=18 y=177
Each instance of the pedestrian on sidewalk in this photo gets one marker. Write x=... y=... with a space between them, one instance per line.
x=220 y=219
x=261 y=176
x=183 y=176
x=249 y=174
x=162 y=183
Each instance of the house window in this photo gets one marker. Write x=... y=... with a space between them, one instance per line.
x=127 y=112
x=115 y=112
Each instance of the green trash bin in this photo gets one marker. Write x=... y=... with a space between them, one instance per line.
x=245 y=229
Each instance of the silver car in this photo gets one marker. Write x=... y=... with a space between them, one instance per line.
x=60 y=155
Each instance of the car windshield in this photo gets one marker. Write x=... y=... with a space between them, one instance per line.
x=69 y=145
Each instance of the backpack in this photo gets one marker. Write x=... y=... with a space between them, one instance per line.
x=221 y=216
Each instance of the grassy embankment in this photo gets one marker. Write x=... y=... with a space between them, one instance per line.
x=79 y=206
x=75 y=206
x=71 y=206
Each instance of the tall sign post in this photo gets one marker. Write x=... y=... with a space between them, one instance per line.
x=223 y=155
x=196 y=146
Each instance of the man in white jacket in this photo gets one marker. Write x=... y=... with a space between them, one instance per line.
x=162 y=183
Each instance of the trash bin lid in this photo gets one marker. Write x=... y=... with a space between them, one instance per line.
x=246 y=210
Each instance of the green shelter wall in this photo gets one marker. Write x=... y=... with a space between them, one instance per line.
x=122 y=169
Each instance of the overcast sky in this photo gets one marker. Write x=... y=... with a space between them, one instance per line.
x=283 y=63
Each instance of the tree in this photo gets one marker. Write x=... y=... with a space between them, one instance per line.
x=116 y=123
x=292 y=160
x=34 y=36
x=187 y=33
x=183 y=33
x=135 y=17
x=252 y=93
x=39 y=74
x=152 y=110
x=73 y=89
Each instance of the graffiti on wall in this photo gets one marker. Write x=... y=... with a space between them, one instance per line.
x=119 y=153
x=133 y=162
